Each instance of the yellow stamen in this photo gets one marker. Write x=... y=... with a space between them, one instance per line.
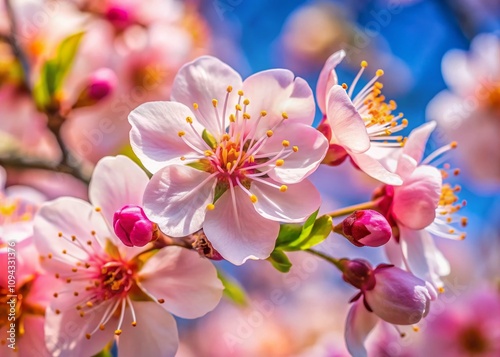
x=253 y=198
x=283 y=188
x=240 y=93
x=195 y=106
x=280 y=162
x=263 y=113
x=285 y=143
x=269 y=133
x=210 y=206
x=214 y=102
x=181 y=134
x=364 y=64
x=246 y=102
x=379 y=73
x=284 y=115
x=189 y=120
x=229 y=89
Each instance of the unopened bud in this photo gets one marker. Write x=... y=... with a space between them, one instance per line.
x=366 y=227
x=358 y=273
x=99 y=86
x=133 y=227
x=204 y=247
x=119 y=16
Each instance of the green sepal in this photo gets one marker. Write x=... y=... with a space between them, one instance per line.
x=280 y=261
x=209 y=139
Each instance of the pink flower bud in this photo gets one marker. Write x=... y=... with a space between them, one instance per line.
x=119 y=16
x=133 y=227
x=365 y=227
x=99 y=86
x=398 y=296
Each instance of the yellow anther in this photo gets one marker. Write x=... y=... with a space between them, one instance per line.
x=404 y=122
x=285 y=143
x=269 y=133
x=59 y=234
x=378 y=85
x=237 y=107
x=98 y=209
x=226 y=137
x=101 y=327
x=440 y=290
x=229 y=89
x=88 y=336
x=118 y=332
x=228 y=166
x=263 y=113
x=453 y=144
x=89 y=303
x=379 y=73
x=251 y=159
x=183 y=158
x=210 y=206
x=181 y=134
x=246 y=116
x=240 y=93
x=195 y=106
x=364 y=64
x=295 y=149
x=416 y=328
x=208 y=153
x=344 y=85
x=246 y=102
x=189 y=120
x=232 y=118
x=280 y=162
x=283 y=188
x=284 y=115
x=253 y=198
x=214 y=102
x=134 y=323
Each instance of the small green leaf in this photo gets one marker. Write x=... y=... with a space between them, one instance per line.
x=296 y=237
x=233 y=290
x=65 y=57
x=209 y=139
x=280 y=261
x=202 y=165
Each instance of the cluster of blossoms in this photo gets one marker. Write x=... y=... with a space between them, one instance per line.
x=230 y=161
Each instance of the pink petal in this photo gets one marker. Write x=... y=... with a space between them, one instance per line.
x=32 y=342
x=417 y=140
x=278 y=91
x=405 y=166
x=348 y=127
x=328 y=78
x=116 y=182
x=424 y=259
x=154 y=135
x=232 y=229
x=65 y=332
x=399 y=297
x=188 y=283
x=374 y=168
x=297 y=203
x=202 y=80
x=415 y=202
x=175 y=200
x=360 y=322
x=69 y=216
x=312 y=147
x=155 y=333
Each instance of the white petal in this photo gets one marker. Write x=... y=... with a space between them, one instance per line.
x=297 y=203
x=116 y=182
x=154 y=335
x=155 y=133
x=328 y=78
x=187 y=282
x=374 y=168
x=175 y=200
x=347 y=125
x=417 y=140
x=203 y=80
x=232 y=229
x=360 y=322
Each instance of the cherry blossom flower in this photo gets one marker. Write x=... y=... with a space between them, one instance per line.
x=110 y=289
x=470 y=107
x=17 y=207
x=358 y=126
x=388 y=293
x=237 y=161
x=422 y=206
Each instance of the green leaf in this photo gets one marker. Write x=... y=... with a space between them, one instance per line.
x=233 y=290
x=296 y=237
x=209 y=139
x=280 y=261
x=55 y=70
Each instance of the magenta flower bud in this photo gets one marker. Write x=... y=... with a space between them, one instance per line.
x=99 y=86
x=133 y=227
x=119 y=17
x=365 y=227
x=358 y=273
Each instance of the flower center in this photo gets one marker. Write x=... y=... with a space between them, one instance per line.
x=377 y=114
x=473 y=340
x=237 y=156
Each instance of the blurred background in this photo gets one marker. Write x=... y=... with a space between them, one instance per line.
x=441 y=60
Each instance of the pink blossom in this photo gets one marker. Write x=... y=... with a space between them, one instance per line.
x=388 y=293
x=110 y=289
x=238 y=161
x=357 y=126
x=423 y=205
x=365 y=227
x=470 y=107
